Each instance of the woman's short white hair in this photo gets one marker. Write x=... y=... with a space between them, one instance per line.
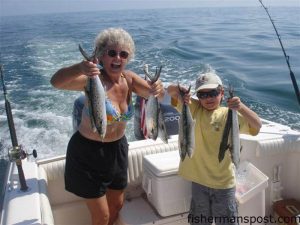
x=114 y=37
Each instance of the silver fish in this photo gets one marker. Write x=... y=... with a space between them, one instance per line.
x=96 y=100
x=162 y=130
x=231 y=134
x=235 y=136
x=186 y=130
x=152 y=117
x=226 y=133
x=139 y=119
x=152 y=107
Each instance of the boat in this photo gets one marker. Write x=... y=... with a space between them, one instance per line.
x=269 y=172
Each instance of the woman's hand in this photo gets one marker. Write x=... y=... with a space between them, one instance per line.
x=89 y=68
x=157 y=89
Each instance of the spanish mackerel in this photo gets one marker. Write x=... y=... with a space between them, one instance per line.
x=231 y=134
x=153 y=123
x=235 y=136
x=186 y=129
x=226 y=132
x=96 y=99
x=162 y=130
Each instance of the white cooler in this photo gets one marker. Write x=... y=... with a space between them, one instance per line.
x=166 y=191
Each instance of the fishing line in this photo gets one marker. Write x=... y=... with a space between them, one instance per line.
x=287 y=58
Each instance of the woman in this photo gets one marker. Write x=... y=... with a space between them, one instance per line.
x=97 y=169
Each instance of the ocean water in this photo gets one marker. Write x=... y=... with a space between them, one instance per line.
x=238 y=43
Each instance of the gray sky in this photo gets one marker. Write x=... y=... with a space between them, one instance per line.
x=22 y=7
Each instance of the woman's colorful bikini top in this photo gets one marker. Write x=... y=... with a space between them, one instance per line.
x=113 y=115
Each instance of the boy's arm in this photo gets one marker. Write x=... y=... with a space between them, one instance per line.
x=173 y=91
x=250 y=116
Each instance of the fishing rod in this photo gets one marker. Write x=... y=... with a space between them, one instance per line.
x=287 y=58
x=16 y=154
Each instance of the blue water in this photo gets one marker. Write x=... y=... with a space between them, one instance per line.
x=238 y=43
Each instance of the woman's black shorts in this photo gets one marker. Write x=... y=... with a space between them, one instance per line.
x=93 y=166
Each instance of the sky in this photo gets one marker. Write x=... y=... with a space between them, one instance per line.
x=23 y=7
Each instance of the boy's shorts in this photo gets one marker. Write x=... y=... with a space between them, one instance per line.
x=92 y=167
x=213 y=205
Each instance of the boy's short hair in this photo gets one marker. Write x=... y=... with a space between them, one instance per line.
x=207 y=81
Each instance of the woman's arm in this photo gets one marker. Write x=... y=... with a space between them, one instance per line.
x=145 y=88
x=74 y=77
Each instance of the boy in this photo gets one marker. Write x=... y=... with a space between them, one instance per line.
x=213 y=182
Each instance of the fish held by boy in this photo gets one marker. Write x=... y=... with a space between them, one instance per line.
x=231 y=134
x=96 y=99
x=235 y=136
x=186 y=127
x=225 y=138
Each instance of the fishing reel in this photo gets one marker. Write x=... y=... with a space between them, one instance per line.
x=17 y=153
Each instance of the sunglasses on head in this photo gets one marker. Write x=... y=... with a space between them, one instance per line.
x=113 y=53
x=213 y=93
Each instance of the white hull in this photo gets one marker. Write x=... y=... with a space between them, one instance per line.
x=46 y=201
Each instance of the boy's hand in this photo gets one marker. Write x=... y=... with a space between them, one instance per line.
x=234 y=103
x=186 y=98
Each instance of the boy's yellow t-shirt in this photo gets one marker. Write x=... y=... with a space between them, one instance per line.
x=204 y=167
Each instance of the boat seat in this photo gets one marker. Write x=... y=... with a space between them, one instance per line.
x=46 y=210
x=54 y=179
x=65 y=211
x=52 y=192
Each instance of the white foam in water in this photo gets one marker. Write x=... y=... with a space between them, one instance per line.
x=44 y=121
x=49 y=135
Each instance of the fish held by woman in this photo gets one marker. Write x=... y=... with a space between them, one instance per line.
x=162 y=129
x=154 y=120
x=186 y=128
x=96 y=99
